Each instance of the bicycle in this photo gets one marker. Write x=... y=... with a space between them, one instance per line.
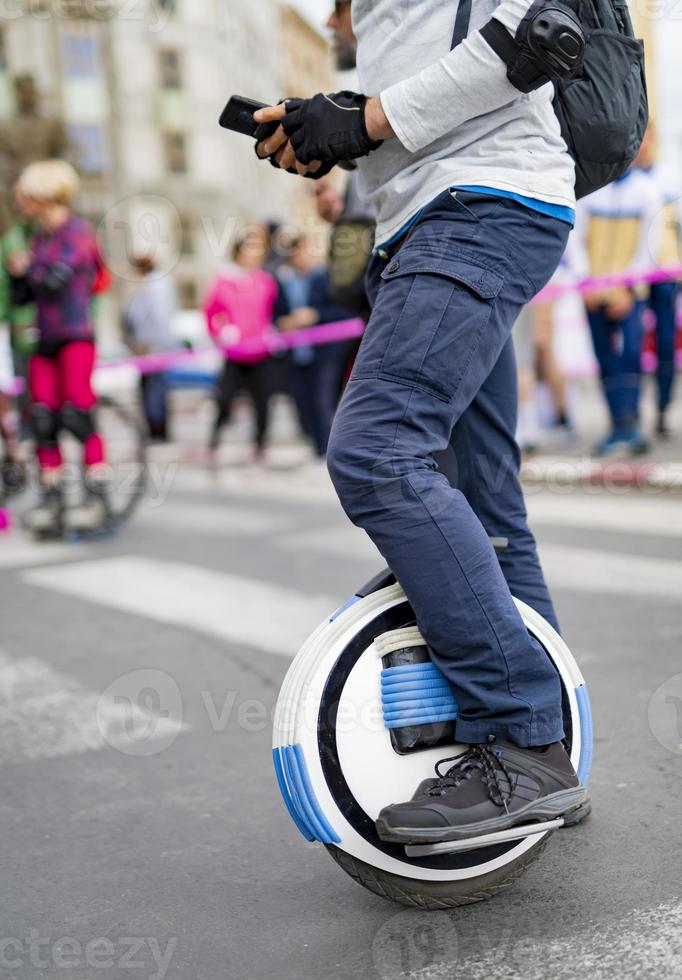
x=126 y=476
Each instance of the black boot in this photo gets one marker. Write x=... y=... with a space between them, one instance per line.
x=486 y=789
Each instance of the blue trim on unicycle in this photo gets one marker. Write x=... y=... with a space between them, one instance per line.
x=347 y=604
x=416 y=694
x=287 y=797
x=299 y=796
x=586 y=734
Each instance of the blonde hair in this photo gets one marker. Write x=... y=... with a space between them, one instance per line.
x=50 y=182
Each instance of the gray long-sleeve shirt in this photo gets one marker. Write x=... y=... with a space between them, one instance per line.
x=458 y=119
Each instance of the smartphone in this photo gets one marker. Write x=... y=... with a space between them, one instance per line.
x=238 y=116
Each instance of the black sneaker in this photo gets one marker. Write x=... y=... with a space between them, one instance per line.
x=488 y=788
x=662 y=429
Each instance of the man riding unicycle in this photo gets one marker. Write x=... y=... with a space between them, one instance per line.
x=463 y=159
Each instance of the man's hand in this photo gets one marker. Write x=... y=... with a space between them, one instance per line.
x=278 y=149
x=620 y=303
x=329 y=128
x=300 y=319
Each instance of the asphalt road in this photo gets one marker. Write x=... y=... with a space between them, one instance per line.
x=172 y=856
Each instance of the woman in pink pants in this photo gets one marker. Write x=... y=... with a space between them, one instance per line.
x=60 y=274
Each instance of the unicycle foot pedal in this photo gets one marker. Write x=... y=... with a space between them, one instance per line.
x=484 y=840
x=577 y=816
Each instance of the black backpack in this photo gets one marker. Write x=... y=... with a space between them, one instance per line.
x=603 y=108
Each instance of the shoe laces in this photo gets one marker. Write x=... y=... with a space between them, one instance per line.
x=476 y=758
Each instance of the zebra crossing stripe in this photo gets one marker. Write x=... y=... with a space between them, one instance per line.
x=234 y=608
x=45 y=714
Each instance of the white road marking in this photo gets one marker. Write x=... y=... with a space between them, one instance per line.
x=629 y=513
x=309 y=483
x=237 y=609
x=578 y=569
x=588 y=570
x=342 y=541
x=643 y=943
x=45 y=714
x=224 y=518
x=18 y=550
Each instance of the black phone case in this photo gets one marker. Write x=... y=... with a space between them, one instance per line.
x=238 y=117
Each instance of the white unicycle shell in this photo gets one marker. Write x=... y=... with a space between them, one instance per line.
x=337 y=767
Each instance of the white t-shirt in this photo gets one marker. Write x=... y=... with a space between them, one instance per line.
x=458 y=119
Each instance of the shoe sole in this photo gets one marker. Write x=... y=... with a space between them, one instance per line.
x=547 y=808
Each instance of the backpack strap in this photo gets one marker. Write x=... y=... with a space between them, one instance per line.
x=461 y=22
x=501 y=41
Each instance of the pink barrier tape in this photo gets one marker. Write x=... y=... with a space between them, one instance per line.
x=153 y=363
x=597 y=283
x=275 y=342
x=272 y=342
x=13 y=388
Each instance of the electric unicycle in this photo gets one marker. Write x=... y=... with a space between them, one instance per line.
x=363 y=716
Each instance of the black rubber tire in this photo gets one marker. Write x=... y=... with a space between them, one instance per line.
x=130 y=422
x=434 y=895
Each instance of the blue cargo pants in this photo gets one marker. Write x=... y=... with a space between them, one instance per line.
x=436 y=375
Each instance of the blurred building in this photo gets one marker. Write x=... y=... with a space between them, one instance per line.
x=140 y=85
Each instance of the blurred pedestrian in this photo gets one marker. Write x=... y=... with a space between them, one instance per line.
x=352 y=235
x=537 y=365
x=148 y=329
x=20 y=317
x=9 y=454
x=528 y=419
x=61 y=273
x=547 y=368
x=662 y=299
x=315 y=371
x=240 y=307
x=617 y=234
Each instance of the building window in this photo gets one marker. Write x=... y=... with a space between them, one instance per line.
x=80 y=55
x=3 y=50
x=167 y=5
x=175 y=146
x=171 y=69
x=188 y=294
x=85 y=101
x=186 y=234
x=90 y=147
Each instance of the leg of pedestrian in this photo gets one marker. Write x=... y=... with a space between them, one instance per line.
x=663 y=302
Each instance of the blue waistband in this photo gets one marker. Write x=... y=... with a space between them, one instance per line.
x=543 y=207
x=559 y=211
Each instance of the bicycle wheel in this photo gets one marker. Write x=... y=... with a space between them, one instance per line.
x=126 y=475
x=125 y=447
